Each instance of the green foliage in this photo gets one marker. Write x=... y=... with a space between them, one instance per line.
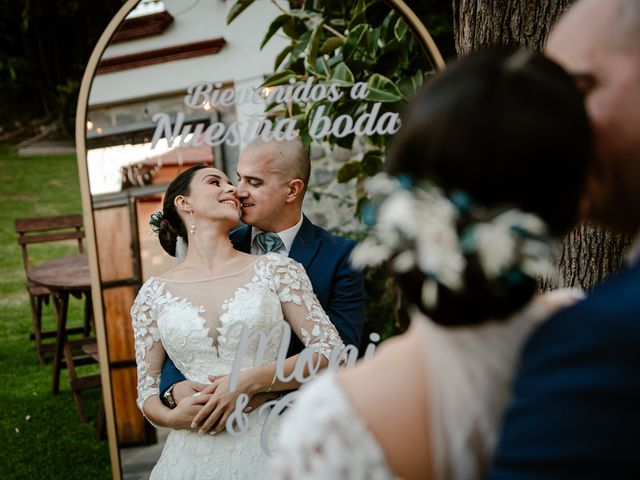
x=385 y=311
x=381 y=89
x=237 y=9
x=42 y=436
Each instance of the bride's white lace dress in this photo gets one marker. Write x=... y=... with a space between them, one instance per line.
x=468 y=377
x=191 y=321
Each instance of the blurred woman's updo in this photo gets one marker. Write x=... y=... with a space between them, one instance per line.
x=508 y=129
x=168 y=225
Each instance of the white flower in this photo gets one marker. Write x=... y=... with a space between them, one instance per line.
x=429 y=293
x=537 y=267
x=437 y=245
x=537 y=260
x=439 y=254
x=398 y=215
x=418 y=228
x=382 y=184
x=525 y=221
x=404 y=262
x=495 y=247
x=369 y=253
x=536 y=248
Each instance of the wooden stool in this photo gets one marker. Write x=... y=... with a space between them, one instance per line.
x=91 y=349
x=40 y=230
x=64 y=277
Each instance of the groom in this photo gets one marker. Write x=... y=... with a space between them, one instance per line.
x=273 y=177
x=576 y=408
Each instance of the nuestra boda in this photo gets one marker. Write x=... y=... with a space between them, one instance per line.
x=306 y=368
x=203 y=95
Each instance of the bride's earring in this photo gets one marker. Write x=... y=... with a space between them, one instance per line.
x=192 y=228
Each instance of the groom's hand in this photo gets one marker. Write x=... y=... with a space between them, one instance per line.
x=185 y=389
x=181 y=417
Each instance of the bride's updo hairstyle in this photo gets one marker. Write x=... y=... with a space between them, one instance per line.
x=508 y=128
x=171 y=225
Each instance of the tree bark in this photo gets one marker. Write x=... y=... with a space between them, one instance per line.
x=482 y=23
x=589 y=254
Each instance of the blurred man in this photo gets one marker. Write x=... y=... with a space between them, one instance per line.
x=575 y=412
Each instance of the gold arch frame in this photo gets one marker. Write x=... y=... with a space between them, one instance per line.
x=92 y=250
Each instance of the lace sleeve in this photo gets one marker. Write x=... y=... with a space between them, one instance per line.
x=150 y=353
x=301 y=307
x=323 y=437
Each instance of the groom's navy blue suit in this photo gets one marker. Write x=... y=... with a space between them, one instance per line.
x=339 y=288
x=576 y=408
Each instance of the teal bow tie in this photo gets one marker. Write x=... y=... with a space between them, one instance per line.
x=269 y=242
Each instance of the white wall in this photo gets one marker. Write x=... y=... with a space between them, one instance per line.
x=195 y=20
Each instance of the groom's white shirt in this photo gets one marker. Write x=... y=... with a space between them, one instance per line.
x=287 y=236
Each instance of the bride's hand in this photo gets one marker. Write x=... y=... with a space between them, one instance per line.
x=181 y=417
x=260 y=399
x=213 y=416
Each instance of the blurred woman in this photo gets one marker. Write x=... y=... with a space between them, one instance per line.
x=485 y=173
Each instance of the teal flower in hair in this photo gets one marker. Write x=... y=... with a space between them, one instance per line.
x=155 y=221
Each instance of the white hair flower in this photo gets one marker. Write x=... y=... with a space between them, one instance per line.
x=417 y=227
x=495 y=247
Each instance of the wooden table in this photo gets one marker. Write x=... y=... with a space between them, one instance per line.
x=63 y=277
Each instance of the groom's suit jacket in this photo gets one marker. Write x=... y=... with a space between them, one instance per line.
x=576 y=407
x=339 y=288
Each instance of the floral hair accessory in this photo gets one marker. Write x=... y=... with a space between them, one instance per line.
x=415 y=225
x=156 y=222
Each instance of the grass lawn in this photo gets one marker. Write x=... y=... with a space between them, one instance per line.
x=42 y=436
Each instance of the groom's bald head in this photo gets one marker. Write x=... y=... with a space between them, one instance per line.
x=288 y=158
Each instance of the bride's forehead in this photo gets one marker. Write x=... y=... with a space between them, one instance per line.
x=204 y=172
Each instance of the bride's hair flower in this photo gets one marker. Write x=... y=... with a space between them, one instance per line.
x=416 y=226
x=156 y=222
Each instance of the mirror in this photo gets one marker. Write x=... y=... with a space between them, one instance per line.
x=171 y=84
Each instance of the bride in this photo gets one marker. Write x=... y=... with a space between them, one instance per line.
x=193 y=313
x=507 y=140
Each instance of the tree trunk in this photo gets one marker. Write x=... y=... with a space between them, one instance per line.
x=481 y=23
x=589 y=254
